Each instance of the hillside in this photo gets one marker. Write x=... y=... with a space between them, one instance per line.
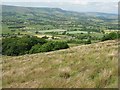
x=41 y=18
x=47 y=10
x=85 y=66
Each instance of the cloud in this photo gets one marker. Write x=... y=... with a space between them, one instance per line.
x=80 y=2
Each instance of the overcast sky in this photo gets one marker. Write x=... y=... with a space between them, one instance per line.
x=107 y=6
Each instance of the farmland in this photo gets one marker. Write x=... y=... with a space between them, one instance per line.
x=73 y=28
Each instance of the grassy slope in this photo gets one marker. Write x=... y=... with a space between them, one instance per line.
x=92 y=65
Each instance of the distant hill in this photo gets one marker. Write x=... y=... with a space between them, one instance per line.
x=52 y=11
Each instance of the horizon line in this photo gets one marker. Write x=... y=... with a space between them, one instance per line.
x=58 y=8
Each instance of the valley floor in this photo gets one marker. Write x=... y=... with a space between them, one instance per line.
x=85 y=66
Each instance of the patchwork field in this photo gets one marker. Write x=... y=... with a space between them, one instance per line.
x=85 y=66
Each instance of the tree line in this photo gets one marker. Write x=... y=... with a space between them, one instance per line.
x=29 y=44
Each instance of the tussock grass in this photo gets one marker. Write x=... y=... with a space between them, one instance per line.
x=85 y=66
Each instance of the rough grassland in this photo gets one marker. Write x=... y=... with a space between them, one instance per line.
x=86 y=66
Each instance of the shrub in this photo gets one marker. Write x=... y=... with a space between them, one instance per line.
x=35 y=49
x=49 y=46
x=88 y=41
x=64 y=75
x=110 y=36
x=60 y=45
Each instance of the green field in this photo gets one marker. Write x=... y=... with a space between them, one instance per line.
x=75 y=32
x=53 y=30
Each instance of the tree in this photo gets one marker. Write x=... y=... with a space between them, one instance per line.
x=29 y=44
x=89 y=38
x=88 y=41
x=18 y=33
x=36 y=32
x=49 y=46
x=110 y=36
x=35 y=49
x=64 y=33
x=19 y=46
x=52 y=37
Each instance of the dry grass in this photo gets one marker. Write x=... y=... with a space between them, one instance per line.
x=86 y=66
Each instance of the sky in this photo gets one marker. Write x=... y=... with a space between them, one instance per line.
x=107 y=6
